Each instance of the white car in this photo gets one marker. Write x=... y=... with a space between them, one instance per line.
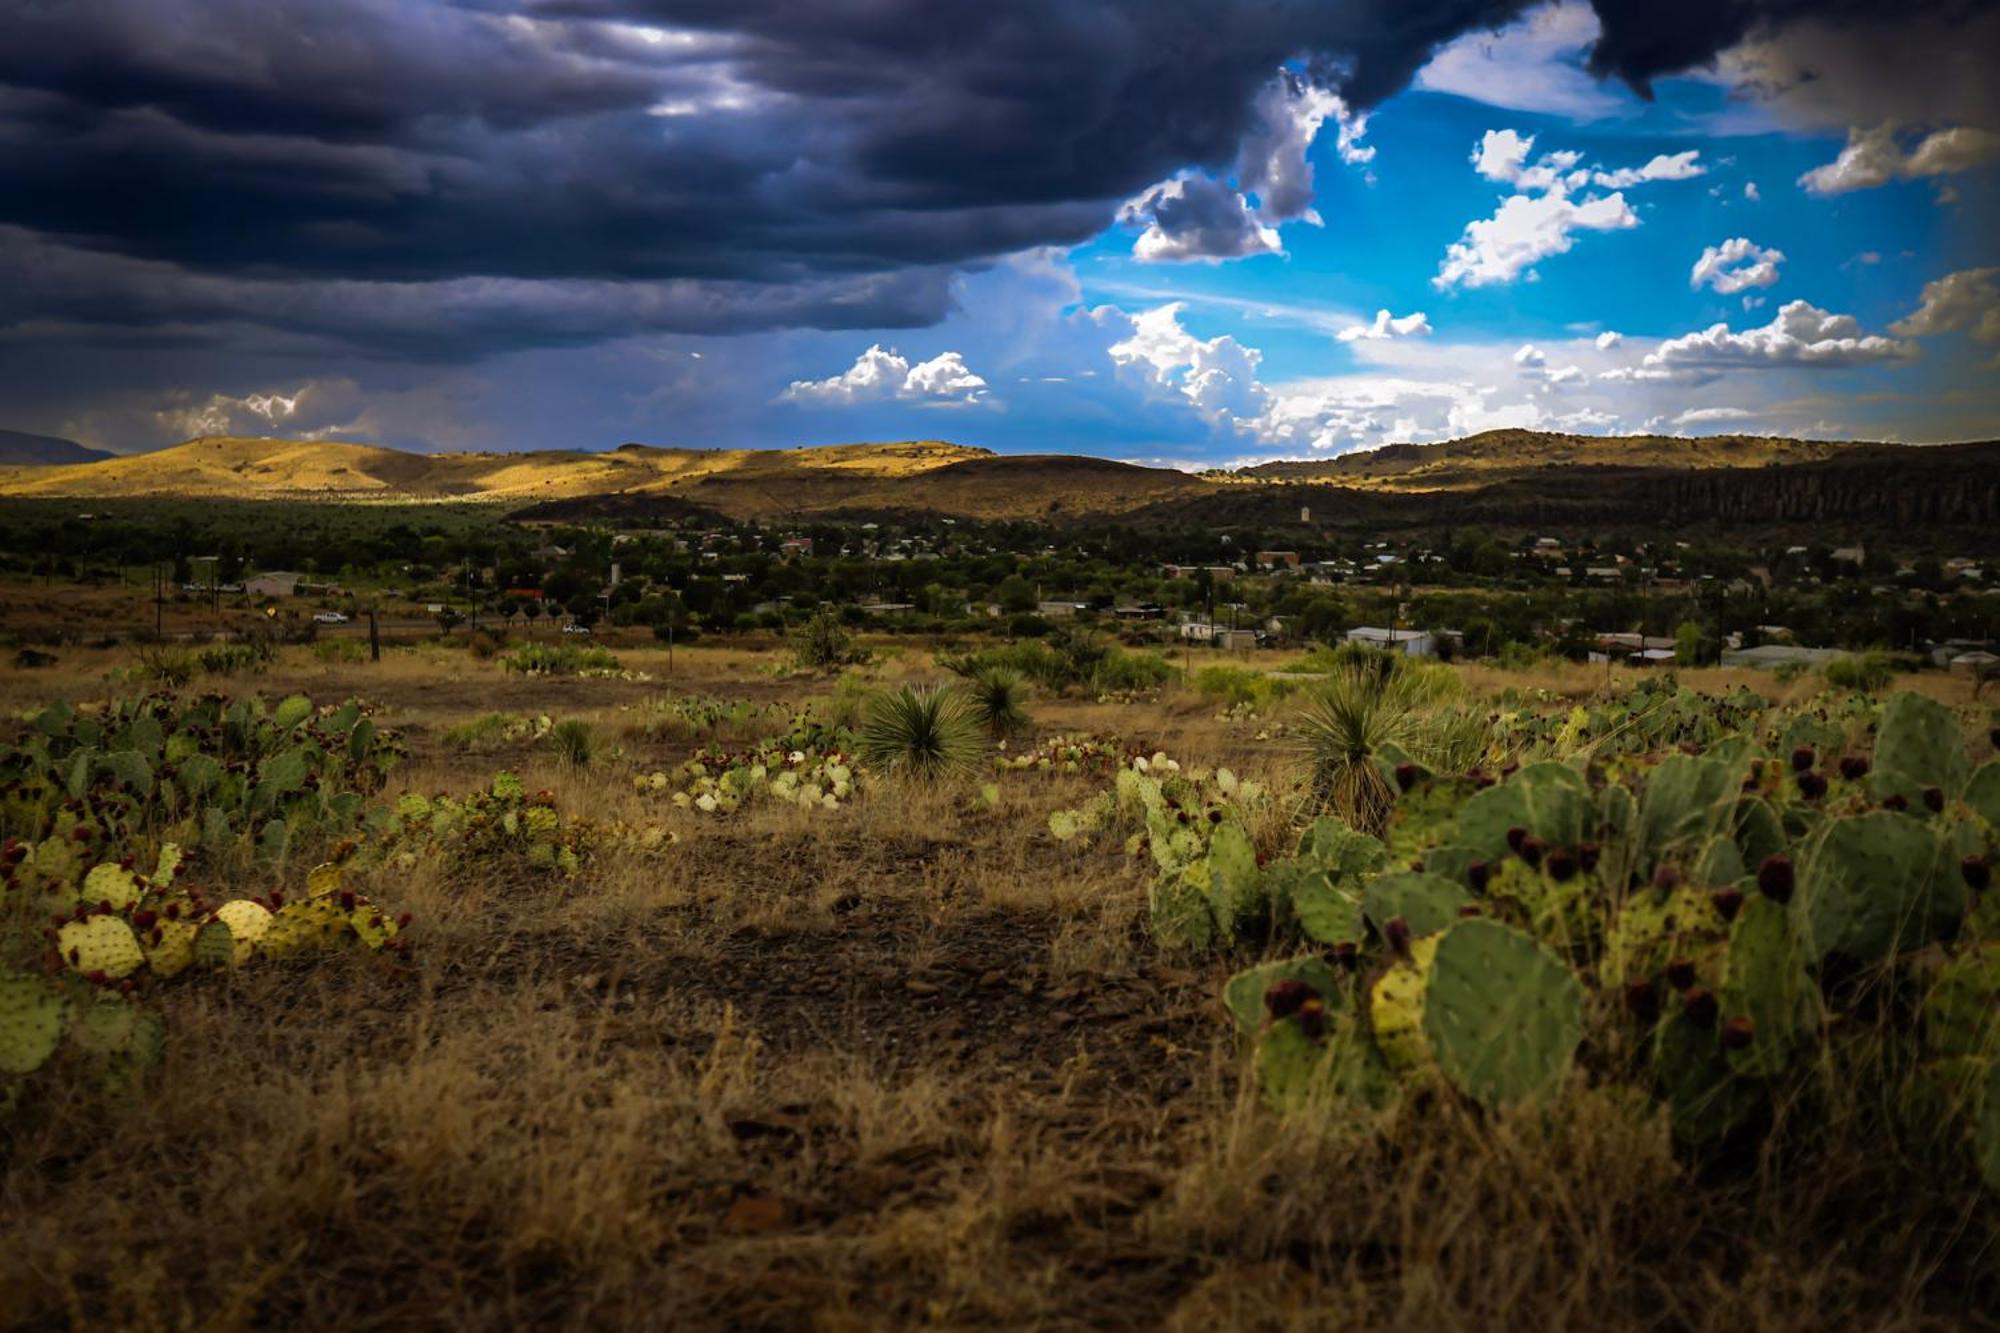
x=329 y=618
x=576 y=629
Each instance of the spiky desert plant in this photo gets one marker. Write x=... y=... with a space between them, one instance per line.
x=928 y=733
x=823 y=643
x=996 y=696
x=574 y=742
x=1345 y=725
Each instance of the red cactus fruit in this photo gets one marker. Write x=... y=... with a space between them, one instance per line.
x=1586 y=856
x=1515 y=837
x=1312 y=1018
x=1396 y=931
x=1406 y=776
x=1510 y=769
x=1477 y=874
x=1700 y=1006
x=1802 y=758
x=1776 y=878
x=96 y=976
x=1562 y=865
x=1728 y=902
x=1215 y=816
x=1853 y=767
x=1895 y=800
x=1347 y=955
x=1480 y=778
x=403 y=921
x=144 y=920
x=1977 y=874
x=1812 y=786
x=1531 y=850
x=1286 y=996
x=1737 y=1033
x=1934 y=799
x=347 y=900
x=1666 y=879
x=1642 y=1000
x=1680 y=974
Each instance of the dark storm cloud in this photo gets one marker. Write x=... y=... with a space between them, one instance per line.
x=443 y=179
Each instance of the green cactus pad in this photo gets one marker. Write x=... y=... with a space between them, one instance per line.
x=1919 y=741
x=1235 y=883
x=1961 y=1013
x=1982 y=792
x=1344 y=1068
x=1869 y=887
x=1767 y=982
x=1425 y=816
x=1759 y=833
x=31 y=1022
x=214 y=945
x=1687 y=800
x=1427 y=903
x=1707 y=1098
x=1549 y=800
x=100 y=944
x=291 y=712
x=1244 y=995
x=1346 y=855
x=1179 y=915
x=1502 y=1015
x=166 y=867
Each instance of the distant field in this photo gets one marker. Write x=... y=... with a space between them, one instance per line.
x=912 y=1059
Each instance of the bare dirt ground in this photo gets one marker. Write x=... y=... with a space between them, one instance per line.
x=904 y=1064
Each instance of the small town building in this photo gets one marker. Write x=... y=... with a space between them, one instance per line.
x=1411 y=642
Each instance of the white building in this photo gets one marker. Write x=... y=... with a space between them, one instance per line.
x=1412 y=642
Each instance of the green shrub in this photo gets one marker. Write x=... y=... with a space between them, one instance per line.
x=347 y=651
x=996 y=695
x=927 y=733
x=1868 y=671
x=824 y=643
x=558 y=659
x=574 y=742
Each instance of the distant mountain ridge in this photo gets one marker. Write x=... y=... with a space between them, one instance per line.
x=21 y=449
x=1501 y=478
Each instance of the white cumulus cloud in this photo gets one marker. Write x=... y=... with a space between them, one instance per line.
x=1801 y=334
x=1551 y=203
x=1386 y=326
x=880 y=374
x=1736 y=265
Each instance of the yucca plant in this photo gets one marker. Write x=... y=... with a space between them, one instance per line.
x=996 y=696
x=574 y=742
x=928 y=733
x=1360 y=710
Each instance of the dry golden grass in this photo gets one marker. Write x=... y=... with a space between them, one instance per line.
x=907 y=1064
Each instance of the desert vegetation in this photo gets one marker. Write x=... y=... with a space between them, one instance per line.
x=431 y=991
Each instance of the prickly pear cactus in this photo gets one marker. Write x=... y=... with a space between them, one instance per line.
x=1687 y=801
x=1501 y=1015
x=1767 y=982
x=1918 y=746
x=1427 y=903
x=1396 y=1006
x=1549 y=800
x=32 y=1014
x=1178 y=913
x=1235 y=882
x=1708 y=1099
x=100 y=944
x=1244 y=995
x=1870 y=887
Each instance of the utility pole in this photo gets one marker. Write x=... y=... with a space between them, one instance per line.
x=374 y=638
